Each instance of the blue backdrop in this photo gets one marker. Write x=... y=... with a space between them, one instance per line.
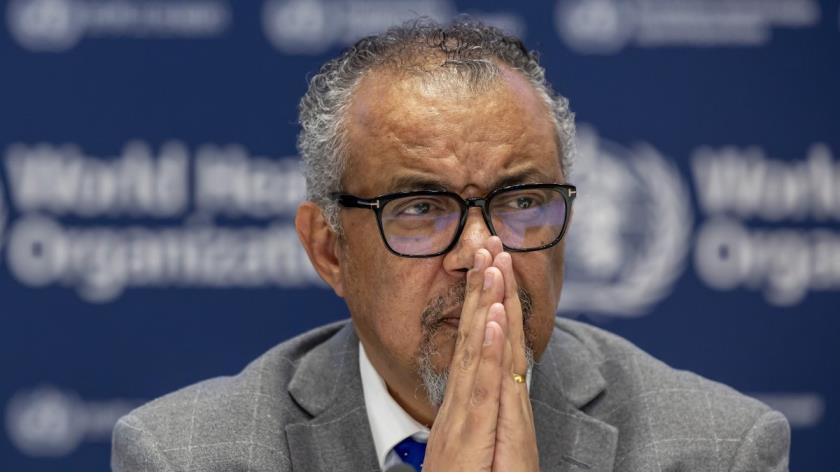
x=148 y=177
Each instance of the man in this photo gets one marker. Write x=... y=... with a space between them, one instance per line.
x=436 y=162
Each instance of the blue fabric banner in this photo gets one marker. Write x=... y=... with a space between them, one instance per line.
x=149 y=178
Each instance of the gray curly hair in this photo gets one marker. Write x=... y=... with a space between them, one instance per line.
x=471 y=49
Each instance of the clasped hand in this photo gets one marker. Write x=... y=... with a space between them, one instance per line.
x=485 y=421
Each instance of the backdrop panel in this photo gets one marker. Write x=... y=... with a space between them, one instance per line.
x=148 y=179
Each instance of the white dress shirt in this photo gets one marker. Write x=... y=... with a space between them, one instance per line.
x=389 y=423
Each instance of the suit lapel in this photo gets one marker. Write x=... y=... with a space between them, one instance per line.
x=328 y=386
x=565 y=380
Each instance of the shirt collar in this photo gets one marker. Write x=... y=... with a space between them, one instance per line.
x=389 y=423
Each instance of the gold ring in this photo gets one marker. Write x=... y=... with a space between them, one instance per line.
x=518 y=378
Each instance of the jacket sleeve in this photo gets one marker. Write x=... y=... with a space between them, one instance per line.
x=765 y=447
x=135 y=450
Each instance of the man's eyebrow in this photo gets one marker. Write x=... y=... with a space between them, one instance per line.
x=408 y=183
x=527 y=176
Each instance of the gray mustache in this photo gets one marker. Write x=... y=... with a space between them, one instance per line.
x=454 y=297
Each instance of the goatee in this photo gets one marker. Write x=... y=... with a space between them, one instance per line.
x=434 y=380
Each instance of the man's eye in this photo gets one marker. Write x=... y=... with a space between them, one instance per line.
x=416 y=209
x=523 y=203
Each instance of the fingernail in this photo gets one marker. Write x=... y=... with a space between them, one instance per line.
x=488 y=279
x=488 y=335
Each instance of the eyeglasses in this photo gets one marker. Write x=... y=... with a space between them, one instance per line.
x=428 y=223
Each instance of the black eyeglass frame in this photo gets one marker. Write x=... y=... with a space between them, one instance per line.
x=568 y=191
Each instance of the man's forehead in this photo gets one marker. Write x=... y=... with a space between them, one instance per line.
x=388 y=97
x=394 y=104
x=403 y=135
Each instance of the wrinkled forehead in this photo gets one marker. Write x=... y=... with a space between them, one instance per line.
x=411 y=104
x=437 y=76
x=444 y=125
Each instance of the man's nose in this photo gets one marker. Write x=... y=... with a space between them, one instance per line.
x=473 y=237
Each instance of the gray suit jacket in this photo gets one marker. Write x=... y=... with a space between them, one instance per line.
x=600 y=404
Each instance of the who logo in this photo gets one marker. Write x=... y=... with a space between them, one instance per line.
x=44 y=423
x=631 y=230
x=300 y=26
x=595 y=26
x=45 y=25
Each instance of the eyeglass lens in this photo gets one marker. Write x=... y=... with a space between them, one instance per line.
x=427 y=224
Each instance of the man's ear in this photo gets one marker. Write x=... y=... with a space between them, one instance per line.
x=321 y=244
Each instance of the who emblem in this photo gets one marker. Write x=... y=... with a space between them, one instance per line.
x=45 y=25
x=300 y=26
x=44 y=422
x=630 y=232
x=595 y=26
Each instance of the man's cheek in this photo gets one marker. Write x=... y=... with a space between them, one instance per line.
x=411 y=284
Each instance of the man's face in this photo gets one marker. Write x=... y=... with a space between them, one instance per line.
x=405 y=133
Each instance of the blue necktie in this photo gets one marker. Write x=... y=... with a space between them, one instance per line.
x=411 y=452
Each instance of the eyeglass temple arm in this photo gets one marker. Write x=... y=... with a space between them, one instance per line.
x=356 y=202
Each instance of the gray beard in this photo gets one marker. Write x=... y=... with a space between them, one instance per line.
x=434 y=380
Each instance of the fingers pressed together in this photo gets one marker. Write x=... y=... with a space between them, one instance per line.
x=485 y=421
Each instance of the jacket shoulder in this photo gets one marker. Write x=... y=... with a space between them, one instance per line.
x=663 y=412
x=228 y=420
